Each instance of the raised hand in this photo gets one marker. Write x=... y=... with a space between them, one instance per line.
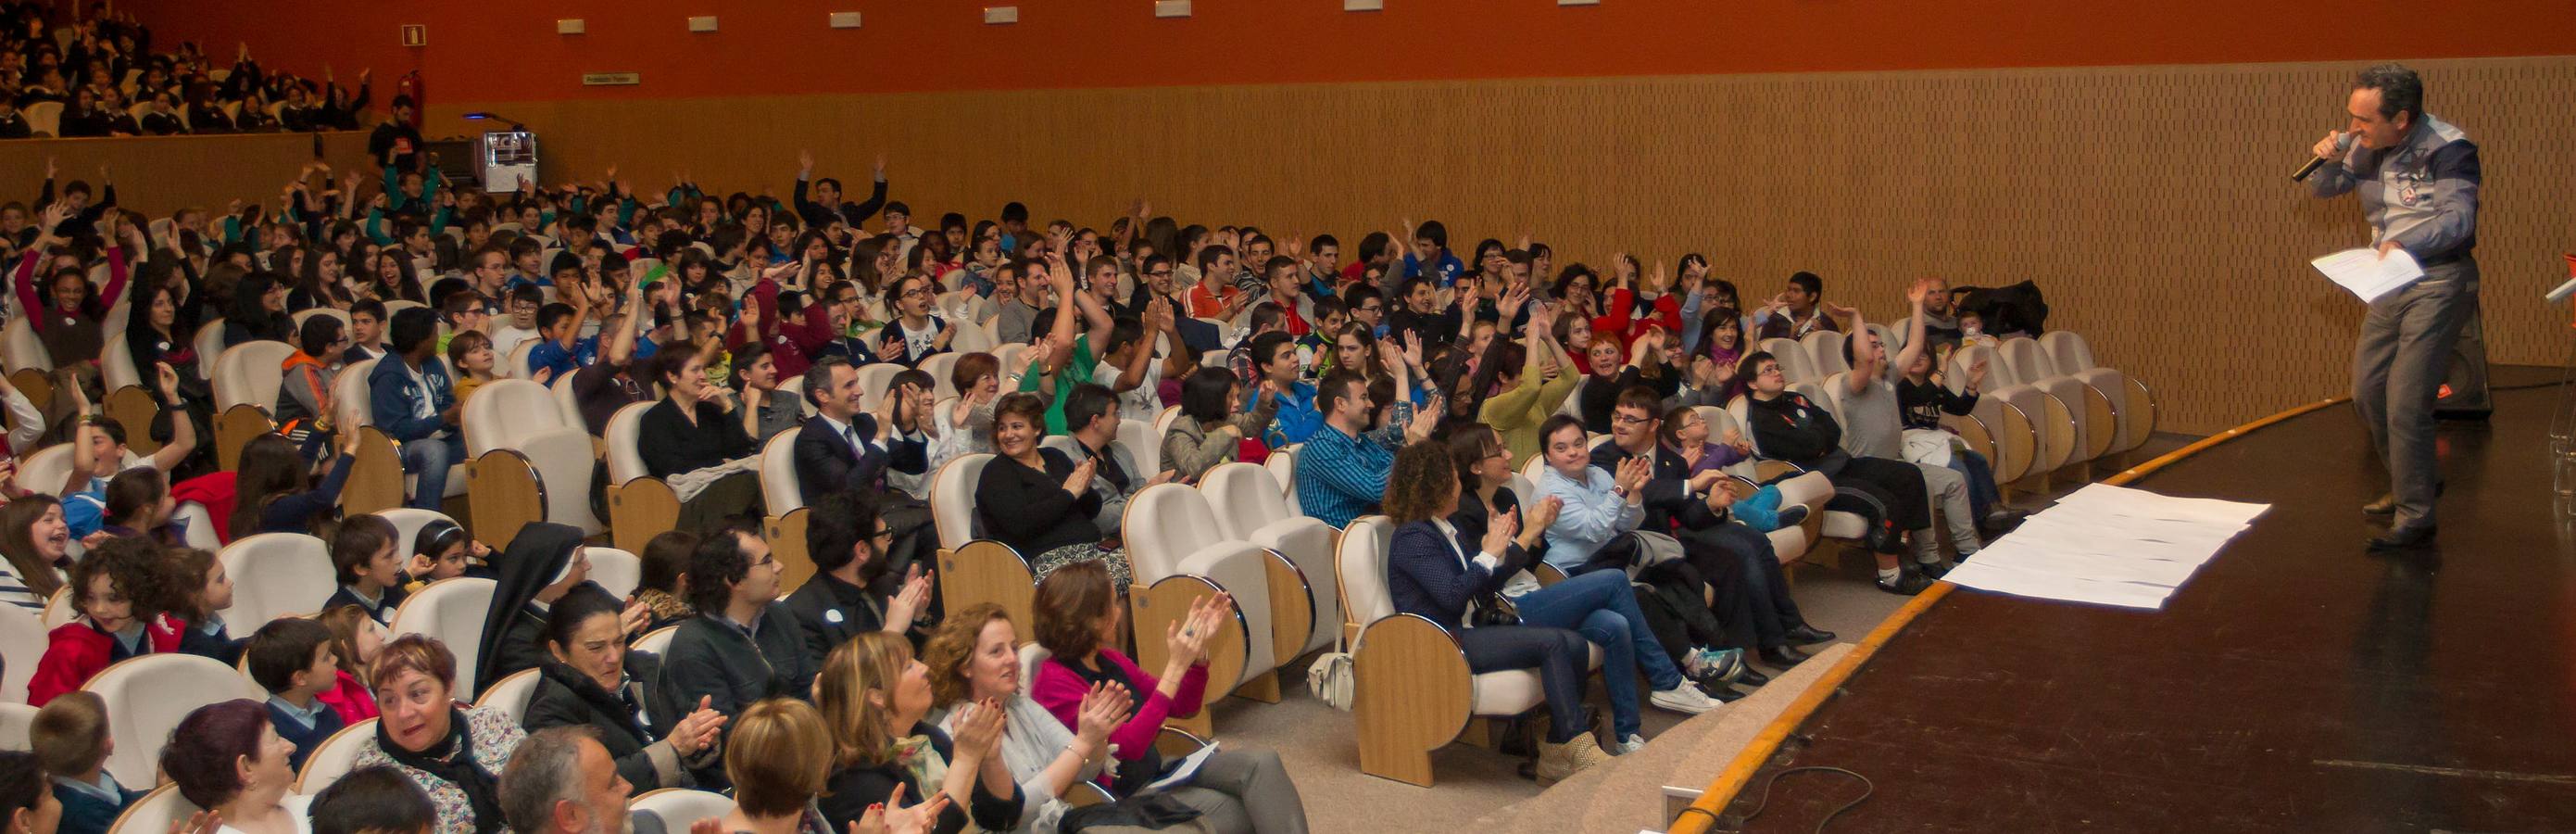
x=1499 y=533
x=201 y=822
x=632 y=620
x=1080 y=481
x=804 y=161
x=1632 y=474
x=1188 y=638
x=1104 y=708
x=907 y=604
x=698 y=731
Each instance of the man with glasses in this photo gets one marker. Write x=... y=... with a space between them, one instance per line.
x=1160 y=282
x=854 y=590
x=743 y=646
x=1367 y=306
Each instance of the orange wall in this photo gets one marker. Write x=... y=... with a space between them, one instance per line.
x=487 y=52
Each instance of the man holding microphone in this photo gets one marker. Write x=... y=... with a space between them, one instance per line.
x=2418 y=181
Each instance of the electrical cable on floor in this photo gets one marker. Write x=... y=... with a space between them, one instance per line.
x=1866 y=789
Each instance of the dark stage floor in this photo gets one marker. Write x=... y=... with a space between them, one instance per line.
x=2297 y=683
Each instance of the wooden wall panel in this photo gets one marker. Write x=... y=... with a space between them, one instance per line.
x=2150 y=203
x=161 y=174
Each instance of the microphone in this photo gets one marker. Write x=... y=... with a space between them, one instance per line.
x=2342 y=143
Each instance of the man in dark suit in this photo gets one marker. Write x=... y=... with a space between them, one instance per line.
x=839 y=448
x=855 y=590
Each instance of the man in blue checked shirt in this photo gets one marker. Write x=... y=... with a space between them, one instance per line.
x=1341 y=471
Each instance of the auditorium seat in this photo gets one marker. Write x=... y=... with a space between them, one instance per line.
x=656 y=642
x=974 y=569
x=249 y=373
x=407 y=522
x=874 y=378
x=525 y=464
x=510 y=694
x=25 y=352
x=1413 y=693
x=22 y=646
x=58 y=609
x=277 y=574
x=515 y=366
x=616 y=571
x=44 y=118
x=159 y=811
x=376 y=480
x=779 y=490
x=1012 y=360
x=452 y=611
x=209 y=343
x=1825 y=352
x=2133 y=404
x=1795 y=365
x=116 y=366
x=1282 y=464
x=2027 y=427
x=331 y=759
x=301 y=316
x=2089 y=409
x=147 y=695
x=49 y=468
x=639 y=506
x=16 y=719
x=1178 y=557
x=939 y=365
x=1249 y=506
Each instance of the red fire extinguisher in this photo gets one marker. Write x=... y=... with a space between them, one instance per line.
x=411 y=86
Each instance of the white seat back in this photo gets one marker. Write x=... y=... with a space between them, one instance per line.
x=407 y=522
x=452 y=611
x=510 y=694
x=300 y=316
x=22 y=646
x=873 y=380
x=1144 y=444
x=625 y=461
x=200 y=525
x=1825 y=352
x=158 y=811
x=116 y=366
x=147 y=695
x=333 y=758
x=2029 y=364
x=567 y=403
x=277 y=573
x=658 y=641
x=1165 y=524
x=349 y=393
x=25 y=351
x=16 y=719
x=2069 y=351
x=952 y=498
x=779 y=490
x=249 y=373
x=1012 y=360
x=939 y=367
x=679 y=808
x=209 y=343
x=515 y=365
x=1362 y=555
x=1282 y=464
x=1795 y=364
x=1245 y=498
x=616 y=571
x=565 y=466
x=504 y=409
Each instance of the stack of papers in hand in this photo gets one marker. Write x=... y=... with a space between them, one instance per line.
x=2108 y=545
x=2368 y=274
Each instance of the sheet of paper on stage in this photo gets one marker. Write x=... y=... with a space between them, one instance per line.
x=2139 y=503
x=2018 y=582
x=2367 y=274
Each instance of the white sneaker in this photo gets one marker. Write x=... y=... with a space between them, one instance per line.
x=1685 y=699
x=1631 y=744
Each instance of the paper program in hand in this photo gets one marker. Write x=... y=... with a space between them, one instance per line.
x=2367 y=274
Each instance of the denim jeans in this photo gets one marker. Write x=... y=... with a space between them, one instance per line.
x=429 y=458
x=1600 y=606
x=1982 y=492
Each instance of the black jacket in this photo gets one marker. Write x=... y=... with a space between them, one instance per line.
x=825 y=462
x=1790 y=428
x=714 y=659
x=829 y=612
x=566 y=698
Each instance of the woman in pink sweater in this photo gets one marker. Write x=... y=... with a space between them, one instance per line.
x=1235 y=790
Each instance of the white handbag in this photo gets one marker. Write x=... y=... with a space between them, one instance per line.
x=1331 y=679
